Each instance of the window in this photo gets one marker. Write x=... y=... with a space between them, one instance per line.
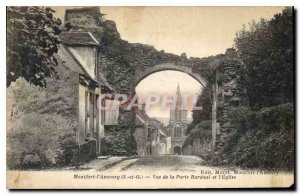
x=177 y=132
x=102 y=111
x=92 y=115
x=96 y=115
x=87 y=115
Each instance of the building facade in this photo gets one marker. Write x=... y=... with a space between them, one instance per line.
x=79 y=53
x=178 y=124
x=80 y=56
x=150 y=135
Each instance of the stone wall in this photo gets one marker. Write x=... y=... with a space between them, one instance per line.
x=87 y=151
x=122 y=64
x=230 y=93
x=142 y=141
x=87 y=16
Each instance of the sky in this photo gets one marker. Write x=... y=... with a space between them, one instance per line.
x=165 y=83
x=196 y=31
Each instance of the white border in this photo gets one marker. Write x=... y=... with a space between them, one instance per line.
x=112 y=3
x=156 y=3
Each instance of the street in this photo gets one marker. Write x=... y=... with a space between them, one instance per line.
x=146 y=163
x=150 y=172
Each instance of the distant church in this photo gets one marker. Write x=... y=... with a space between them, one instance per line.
x=177 y=125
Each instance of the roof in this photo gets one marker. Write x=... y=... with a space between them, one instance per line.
x=72 y=63
x=103 y=80
x=163 y=131
x=95 y=10
x=79 y=38
x=85 y=9
x=145 y=119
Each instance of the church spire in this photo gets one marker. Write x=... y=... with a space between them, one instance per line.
x=179 y=98
x=178 y=115
x=178 y=89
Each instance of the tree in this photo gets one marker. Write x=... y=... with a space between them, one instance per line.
x=204 y=100
x=32 y=42
x=267 y=51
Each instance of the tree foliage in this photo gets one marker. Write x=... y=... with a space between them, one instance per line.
x=261 y=139
x=32 y=42
x=267 y=51
x=204 y=101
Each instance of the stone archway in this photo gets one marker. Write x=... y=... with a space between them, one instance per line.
x=185 y=68
x=145 y=71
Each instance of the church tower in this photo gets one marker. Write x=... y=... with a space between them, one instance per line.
x=179 y=114
x=178 y=124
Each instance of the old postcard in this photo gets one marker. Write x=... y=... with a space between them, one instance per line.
x=150 y=97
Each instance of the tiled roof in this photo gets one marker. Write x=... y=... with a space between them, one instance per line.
x=78 y=38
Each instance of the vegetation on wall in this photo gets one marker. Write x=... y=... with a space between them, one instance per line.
x=266 y=49
x=205 y=101
x=32 y=140
x=261 y=139
x=262 y=135
x=119 y=140
x=119 y=61
x=201 y=131
x=37 y=117
x=257 y=110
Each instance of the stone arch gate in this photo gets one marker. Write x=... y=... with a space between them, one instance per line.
x=185 y=68
x=146 y=71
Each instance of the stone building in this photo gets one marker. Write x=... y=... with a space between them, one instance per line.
x=150 y=135
x=177 y=125
x=79 y=53
x=77 y=133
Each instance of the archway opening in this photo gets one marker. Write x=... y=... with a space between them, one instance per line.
x=165 y=122
x=177 y=150
x=166 y=84
x=148 y=150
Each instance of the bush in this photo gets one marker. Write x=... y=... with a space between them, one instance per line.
x=266 y=49
x=31 y=136
x=262 y=139
x=68 y=151
x=119 y=140
x=119 y=143
x=201 y=131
